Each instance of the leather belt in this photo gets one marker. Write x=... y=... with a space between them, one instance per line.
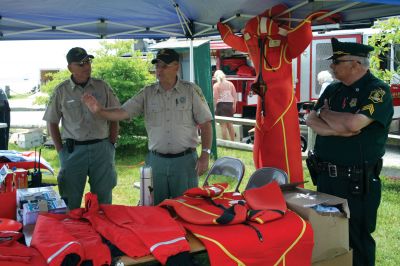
x=174 y=155
x=87 y=142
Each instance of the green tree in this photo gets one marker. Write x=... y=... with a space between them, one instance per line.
x=126 y=75
x=387 y=37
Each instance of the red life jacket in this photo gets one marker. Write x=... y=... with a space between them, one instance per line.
x=260 y=205
x=69 y=239
x=207 y=191
x=13 y=253
x=266 y=203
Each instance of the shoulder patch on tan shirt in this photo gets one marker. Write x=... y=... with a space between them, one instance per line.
x=200 y=93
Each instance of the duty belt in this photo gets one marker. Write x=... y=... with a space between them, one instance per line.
x=174 y=155
x=334 y=170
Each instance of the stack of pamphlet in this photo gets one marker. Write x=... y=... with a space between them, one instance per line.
x=31 y=201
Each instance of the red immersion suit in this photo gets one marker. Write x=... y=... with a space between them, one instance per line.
x=277 y=132
x=13 y=253
x=137 y=231
x=56 y=236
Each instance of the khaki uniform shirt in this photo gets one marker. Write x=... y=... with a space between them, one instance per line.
x=172 y=116
x=76 y=119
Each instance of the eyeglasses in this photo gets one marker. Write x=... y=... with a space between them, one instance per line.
x=162 y=65
x=338 y=61
x=84 y=62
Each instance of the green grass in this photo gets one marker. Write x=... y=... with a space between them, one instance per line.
x=20 y=96
x=128 y=162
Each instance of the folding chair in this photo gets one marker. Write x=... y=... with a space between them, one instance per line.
x=266 y=175
x=231 y=169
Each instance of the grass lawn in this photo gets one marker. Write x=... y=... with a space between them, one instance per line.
x=128 y=163
x=20 y=96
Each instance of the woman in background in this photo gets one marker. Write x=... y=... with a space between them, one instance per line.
x=225 y=102
x=324 y=79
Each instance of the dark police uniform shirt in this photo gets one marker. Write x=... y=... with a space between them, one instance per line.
x=368 y=96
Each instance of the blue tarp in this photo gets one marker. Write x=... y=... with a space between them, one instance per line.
x=122 y=19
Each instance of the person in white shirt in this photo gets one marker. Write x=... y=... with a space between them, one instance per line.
x=324 y=79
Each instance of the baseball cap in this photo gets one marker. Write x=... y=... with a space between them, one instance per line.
x=77 y=54
x=349 y=48
x=166 y=55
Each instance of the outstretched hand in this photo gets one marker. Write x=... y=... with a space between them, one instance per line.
x=91 y=102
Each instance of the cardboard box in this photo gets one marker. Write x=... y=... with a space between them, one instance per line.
x=345 y=259
x=331 y=230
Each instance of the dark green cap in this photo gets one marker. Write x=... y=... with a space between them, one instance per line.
x=166 y=55
x=349 y=48
x=77 y=54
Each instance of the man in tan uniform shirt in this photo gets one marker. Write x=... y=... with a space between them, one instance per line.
x=85 y=144
x=173 y=110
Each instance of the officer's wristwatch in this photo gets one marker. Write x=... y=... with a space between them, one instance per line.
x=207 y=151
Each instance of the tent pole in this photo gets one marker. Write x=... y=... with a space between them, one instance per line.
x=191 y=62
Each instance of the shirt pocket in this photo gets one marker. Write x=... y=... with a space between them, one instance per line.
x=73 y=110
x=155 y=115
x=183 y=114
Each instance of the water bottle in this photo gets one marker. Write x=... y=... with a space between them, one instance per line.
x=146 y=186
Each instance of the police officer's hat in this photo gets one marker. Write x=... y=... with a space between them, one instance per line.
x=349 y=48
x=166 y=55
x=77 y=54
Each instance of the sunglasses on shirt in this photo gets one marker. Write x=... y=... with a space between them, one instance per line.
x=338 y=61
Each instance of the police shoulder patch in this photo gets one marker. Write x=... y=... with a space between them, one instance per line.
x=376 y=96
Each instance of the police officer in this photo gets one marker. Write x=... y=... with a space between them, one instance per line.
x=173 y=111
x=352 y=119
x=85 y=145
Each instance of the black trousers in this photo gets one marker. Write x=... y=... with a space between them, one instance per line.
x=363 y=214
x=4 y=118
